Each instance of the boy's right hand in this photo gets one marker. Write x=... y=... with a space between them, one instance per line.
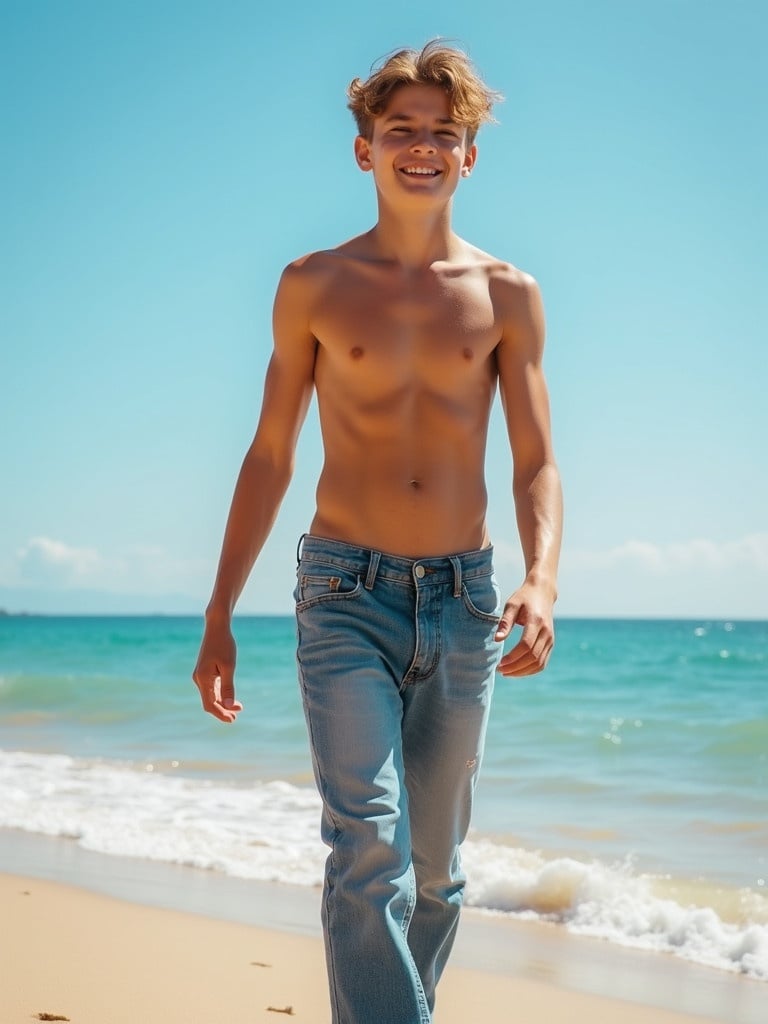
x=214 y=673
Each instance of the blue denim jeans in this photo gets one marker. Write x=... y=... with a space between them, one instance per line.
x=396 y=660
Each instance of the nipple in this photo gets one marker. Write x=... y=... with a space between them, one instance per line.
x=356 y=352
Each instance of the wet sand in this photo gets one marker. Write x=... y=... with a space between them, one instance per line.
x=162 y=944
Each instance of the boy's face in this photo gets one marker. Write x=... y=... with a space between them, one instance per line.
x=415 y=148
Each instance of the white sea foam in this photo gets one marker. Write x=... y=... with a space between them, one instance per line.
x=264 y=830
x=613 y=902
x=269 y=831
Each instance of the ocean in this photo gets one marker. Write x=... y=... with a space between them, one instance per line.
x=624 y=792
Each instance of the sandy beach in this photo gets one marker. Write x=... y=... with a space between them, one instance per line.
x=92 y=959
x=95 y=958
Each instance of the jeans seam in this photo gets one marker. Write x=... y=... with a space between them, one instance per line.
x=331 y=872
x=329 y=889
x=424 y=674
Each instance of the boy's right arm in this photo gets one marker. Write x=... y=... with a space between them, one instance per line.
x=261 y=485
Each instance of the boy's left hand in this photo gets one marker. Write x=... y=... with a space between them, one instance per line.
x=531 y=608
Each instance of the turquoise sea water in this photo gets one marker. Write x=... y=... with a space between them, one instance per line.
x=624 y=791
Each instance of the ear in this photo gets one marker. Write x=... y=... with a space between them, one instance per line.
x=470 y=159
x=363 y=153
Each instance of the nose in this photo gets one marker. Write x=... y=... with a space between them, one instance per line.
x=423 y=143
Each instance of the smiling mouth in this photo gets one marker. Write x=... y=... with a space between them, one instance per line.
x=420 y=172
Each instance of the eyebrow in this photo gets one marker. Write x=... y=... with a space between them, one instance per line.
x=409 y=117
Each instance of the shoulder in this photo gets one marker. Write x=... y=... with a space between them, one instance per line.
x=516 y=297
x=301 y=288
x=324 y=262
x=517 y=304
x=511 y=280
x=311 y=274
x=508 y=285
x=306 y=270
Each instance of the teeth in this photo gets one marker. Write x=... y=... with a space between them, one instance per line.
x=420 y=170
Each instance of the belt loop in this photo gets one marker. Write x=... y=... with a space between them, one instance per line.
x=456 y=576
x=298 y=549
x=373 y=566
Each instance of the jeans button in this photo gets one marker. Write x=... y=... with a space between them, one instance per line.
x=419 y=570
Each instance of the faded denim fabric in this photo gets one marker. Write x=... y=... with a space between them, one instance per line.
x=396 y=663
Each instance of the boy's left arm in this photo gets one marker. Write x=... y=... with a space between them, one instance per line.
x=536 y=481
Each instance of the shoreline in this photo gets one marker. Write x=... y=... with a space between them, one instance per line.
x=505 y=960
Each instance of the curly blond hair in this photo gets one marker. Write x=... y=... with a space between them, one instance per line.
x=470 y=99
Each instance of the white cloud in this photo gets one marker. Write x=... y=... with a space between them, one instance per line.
x=663 y=559
x=137 y=569
x=641 y=577
x=151 y=568
x=45 y=559
x=638 y=577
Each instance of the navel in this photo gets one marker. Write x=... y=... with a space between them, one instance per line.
x=356 y=352
x=415 y=484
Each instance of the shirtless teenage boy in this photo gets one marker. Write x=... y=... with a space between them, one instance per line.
x=405 y=333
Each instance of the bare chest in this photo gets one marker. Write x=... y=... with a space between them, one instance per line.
x=396 y=330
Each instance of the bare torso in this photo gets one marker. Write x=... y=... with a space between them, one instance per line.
x=405 y=374
x=404 y=333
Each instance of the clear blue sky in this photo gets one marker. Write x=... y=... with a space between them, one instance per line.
x=161 y=163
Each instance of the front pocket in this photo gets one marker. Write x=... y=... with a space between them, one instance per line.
x=325 y=584
x=482 y=598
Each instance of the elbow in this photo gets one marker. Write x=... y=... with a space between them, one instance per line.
x=264 y=461
x=531 y=474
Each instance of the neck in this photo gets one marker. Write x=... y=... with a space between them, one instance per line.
x=417 y=239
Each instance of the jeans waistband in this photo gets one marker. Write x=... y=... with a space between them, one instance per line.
x=371 y=564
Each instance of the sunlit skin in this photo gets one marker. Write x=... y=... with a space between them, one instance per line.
x=405 y=333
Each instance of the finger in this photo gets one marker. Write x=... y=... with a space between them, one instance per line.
x=507 y=620
x=530 y=653
x=209 y=686
x=526 y=668
x=518 y=668
x=226 y=689
x=524 y=645
x=226 y=715
x=226 y=710
x=527 y=651
x=527 y=664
